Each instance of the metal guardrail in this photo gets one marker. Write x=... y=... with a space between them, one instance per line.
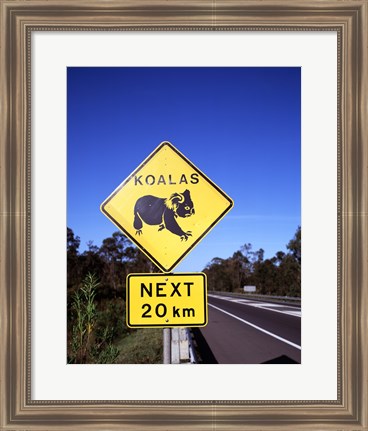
x=192 y=349
x=293 y=299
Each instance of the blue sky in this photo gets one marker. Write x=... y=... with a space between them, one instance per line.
x=240 y=126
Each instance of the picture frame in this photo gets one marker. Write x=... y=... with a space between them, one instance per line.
x=19 y=18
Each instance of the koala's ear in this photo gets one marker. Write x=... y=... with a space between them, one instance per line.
x=174 y=200
x=178 y=198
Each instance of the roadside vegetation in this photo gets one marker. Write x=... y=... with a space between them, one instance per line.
x=96 y=294
x=97 y=332
x=278 y=276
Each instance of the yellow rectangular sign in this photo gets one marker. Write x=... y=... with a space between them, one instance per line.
x=166 y=300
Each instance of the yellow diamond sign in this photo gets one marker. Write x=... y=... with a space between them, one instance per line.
x=166 y=206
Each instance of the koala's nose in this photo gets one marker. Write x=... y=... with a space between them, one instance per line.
x=192 y=211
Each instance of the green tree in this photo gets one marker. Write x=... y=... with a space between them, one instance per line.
x=218 y=275
x=90 y=260
x=112 y=252
x=73 y=268
x=265 y=277
x=295 y=245
x=139 y=262
x=279 y=275
x=290 y=276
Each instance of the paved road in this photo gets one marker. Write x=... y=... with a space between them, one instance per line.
x=244 y=331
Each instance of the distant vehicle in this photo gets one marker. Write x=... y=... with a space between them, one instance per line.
x=249 y=289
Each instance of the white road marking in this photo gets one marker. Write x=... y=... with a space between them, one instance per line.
x=257 y=327
x=263 y=305
x=290 y=313
x=268 y=304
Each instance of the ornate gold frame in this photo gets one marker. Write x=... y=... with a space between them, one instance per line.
x=18 y=19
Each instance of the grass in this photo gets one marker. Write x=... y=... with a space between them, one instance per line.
x=143 y=346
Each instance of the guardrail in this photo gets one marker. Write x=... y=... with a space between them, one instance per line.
x=290 y=299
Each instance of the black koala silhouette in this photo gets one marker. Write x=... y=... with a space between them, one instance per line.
x=163 y=212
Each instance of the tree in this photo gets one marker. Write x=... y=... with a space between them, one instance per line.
x=279 y=275
x=112 y=252
x=139 y=262
x=295 y=245
x=217 y=275
x=290 y=275
x=72 y=242
x=72 y=246
x=90 y=261
x=266 y=277
x=112 y=248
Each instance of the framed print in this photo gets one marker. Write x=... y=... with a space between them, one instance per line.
x=57 y=56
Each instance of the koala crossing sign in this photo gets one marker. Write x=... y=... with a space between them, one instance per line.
x=166 y=206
